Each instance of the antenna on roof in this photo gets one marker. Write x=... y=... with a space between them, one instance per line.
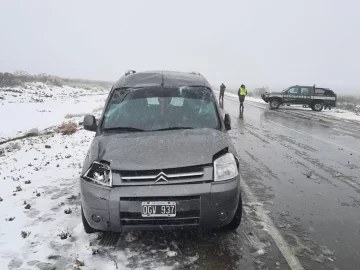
x=129 y=72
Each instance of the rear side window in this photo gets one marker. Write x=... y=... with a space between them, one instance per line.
x=319 y=91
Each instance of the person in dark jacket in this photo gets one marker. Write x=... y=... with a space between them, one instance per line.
x=222 y=92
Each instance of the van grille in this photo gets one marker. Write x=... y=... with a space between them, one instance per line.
x=151 y=175
x=166 y=176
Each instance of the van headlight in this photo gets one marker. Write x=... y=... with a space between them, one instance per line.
x=225 y=167
x=99 y=173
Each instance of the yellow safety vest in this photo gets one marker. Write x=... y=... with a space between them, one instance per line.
x=243 y=91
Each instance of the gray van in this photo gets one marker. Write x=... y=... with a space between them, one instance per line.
x=161 y=158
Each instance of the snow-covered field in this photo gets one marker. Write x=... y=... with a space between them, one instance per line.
x=39 y=198
x=39 y=106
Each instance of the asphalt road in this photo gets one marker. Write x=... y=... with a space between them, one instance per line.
x=301 y=191
x=304 y=167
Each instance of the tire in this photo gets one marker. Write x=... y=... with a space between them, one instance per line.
x=235 y=223
x=318 y=106
x=274 y=104
x=87 y=227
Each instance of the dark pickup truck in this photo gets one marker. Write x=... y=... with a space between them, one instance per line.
x=314 y=97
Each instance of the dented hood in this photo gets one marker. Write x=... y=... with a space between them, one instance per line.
x=162 y=149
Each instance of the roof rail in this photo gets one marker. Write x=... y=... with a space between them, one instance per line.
x=129 y=72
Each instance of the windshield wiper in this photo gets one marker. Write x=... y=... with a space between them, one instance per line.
x=173 y=128
x=131 y=129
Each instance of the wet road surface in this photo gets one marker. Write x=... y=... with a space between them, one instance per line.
x=304 y=167
x=301 y=191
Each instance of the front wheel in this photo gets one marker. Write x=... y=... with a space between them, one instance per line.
x=87 y=227
x=274 y=104
x=235 y=223
x=318 y=106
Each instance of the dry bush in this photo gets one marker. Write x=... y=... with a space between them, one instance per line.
x=13 y=146
x=72 y=115
x=67 y=128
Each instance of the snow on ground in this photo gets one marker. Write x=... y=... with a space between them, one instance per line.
x=344 y=114
x=39 y=184
x=39 y=92
x=37 y=105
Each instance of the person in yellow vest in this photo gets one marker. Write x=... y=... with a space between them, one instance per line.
x=242 y=94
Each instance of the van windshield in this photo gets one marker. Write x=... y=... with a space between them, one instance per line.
x=161 y=108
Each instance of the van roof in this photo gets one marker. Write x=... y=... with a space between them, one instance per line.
x=161 y=78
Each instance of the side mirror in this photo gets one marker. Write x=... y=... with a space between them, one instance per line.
x=90 y=123
x=227 y=121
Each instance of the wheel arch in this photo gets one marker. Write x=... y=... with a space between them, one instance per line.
x=312 y=103
x=277 y=98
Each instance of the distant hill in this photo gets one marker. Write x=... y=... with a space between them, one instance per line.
x=17 y=78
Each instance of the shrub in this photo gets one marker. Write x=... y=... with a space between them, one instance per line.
x=13 y=146
x=67 y=128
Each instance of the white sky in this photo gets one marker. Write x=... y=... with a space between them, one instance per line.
x=270 y=42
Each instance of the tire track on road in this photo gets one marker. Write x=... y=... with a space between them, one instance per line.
x=317 y=138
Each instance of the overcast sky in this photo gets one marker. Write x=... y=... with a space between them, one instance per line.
x=252 y=42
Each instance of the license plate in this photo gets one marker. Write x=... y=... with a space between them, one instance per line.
x=158 y=209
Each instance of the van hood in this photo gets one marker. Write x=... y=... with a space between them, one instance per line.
x=161 y=149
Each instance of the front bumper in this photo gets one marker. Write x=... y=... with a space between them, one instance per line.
x=198 y=205
x=265 y=98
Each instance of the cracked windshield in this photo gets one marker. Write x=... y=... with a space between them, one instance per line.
x=179 y=135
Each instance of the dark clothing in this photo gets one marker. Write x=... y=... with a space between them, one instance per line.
x=241 y=98
x=222 y=87
x=222 y=92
